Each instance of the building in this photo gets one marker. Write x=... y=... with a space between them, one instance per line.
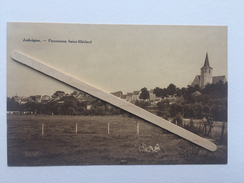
x=70 y=101
x=129 y=97
x=117 y=94
x=135 y=95
x=206 y=76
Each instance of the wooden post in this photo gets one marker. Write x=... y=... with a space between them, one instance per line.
x=138 y=128
x=108 y=128
x=42 y=129
x=76 y=128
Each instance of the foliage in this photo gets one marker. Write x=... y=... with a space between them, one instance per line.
x=71 y=110
x=175 y=109
x=178 y=120
x=171 y=89
x=144 y=94
x=142 y=104
x=211 y=101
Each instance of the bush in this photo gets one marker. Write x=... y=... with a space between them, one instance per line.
x=76 y=113
x=178 y=120
x=100 y=111
x=116 y=112
x=71 y=110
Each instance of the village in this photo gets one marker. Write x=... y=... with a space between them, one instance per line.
x=79 y=99
x=205 y=97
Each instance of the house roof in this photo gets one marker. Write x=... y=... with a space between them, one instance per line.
x=196 y=93
x=123 y=96
x=136 y=92
x=117 y=94
x=24 y=100
x=196 y=80
x=129 y=94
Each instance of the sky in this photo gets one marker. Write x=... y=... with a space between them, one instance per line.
x=118 y=58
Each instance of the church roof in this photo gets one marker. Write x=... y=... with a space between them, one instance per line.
x=196 y=81
x=216 y=79
x=206 y=63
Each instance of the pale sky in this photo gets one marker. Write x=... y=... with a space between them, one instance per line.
x=120 y=58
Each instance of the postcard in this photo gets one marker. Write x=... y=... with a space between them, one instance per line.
x=176 y=73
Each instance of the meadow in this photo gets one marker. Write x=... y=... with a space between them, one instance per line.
x=58 y=143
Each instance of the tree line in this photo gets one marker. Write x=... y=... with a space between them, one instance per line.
x=190 y=102
x=195 y=102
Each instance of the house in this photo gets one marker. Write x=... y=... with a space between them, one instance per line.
x=45 y=99
x=24 y=100
x=123 y=97
x=196 y=93
x=81 y=97
x=206 y=76
x=38 y=98
x=69 y=101
x=17 y=99
x=117 y=94
x=153 y=98
x=129 y=97
x=135 y=95
x=170 y=99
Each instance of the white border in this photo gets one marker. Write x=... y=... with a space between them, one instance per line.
x=180 y=12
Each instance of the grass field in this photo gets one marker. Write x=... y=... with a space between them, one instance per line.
x=92 y=145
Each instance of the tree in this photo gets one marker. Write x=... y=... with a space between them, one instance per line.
x=187 y=110
x=206 y=109
x=219 y=112
x=157 y=91
x=100 y=111
x=197 y=110
x=74 y=93
x=81 y=110
x=163 y=106
x=142 y=104
x=144 y=94
x=175 y=109
x=57 y=93
x=178 y=92
x=71 y=110
x=171 y=89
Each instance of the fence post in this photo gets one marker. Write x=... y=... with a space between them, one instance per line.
x=108 y=128
x=76 y=128
x=42 y=129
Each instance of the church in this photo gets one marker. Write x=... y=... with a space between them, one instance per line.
x=206 y=76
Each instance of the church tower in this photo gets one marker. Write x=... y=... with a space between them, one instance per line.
x=206 y=73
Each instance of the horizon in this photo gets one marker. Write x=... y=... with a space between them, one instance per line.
x=120 y=57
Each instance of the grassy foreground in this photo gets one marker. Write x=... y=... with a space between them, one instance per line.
x=92 y=145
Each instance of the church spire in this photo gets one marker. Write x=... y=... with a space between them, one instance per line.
x=206 y=64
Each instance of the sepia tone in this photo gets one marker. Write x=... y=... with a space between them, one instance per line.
x=50 y=123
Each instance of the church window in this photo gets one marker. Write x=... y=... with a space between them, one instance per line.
x=209 y=71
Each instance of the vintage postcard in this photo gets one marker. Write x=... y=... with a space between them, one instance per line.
x=176 y=73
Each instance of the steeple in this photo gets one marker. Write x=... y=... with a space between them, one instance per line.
x=206 y=73
x=206 y=63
